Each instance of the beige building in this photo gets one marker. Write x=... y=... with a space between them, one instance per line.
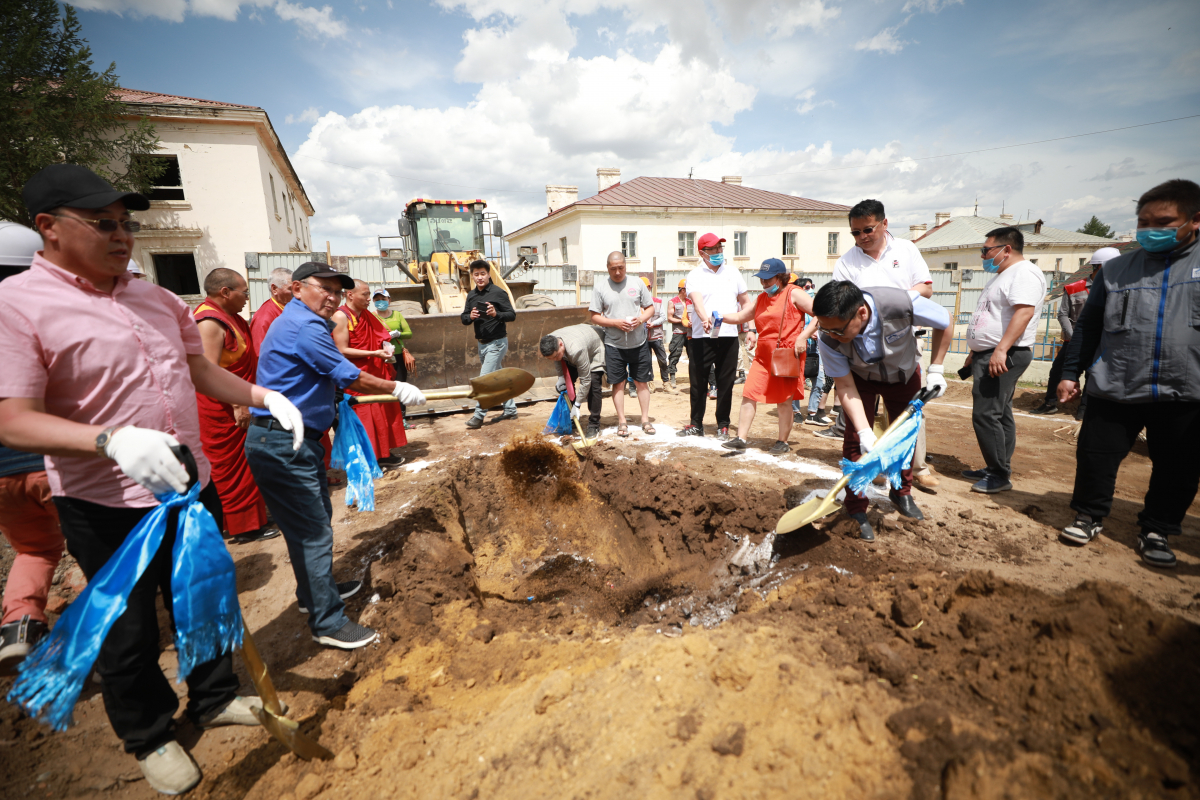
x=953 y=243
x=655 y=222
x=228 y=189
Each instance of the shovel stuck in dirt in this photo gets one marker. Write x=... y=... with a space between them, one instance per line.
x=584 y=442
x=819 y=507
x=488 y=390
x=271 y=713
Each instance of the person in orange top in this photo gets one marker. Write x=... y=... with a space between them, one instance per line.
x=268 y=312
x=778 y=315
x=361 y=338
x=228 y=344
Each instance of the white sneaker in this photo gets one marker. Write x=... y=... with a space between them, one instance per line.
x=170 y=770
x=236 y=712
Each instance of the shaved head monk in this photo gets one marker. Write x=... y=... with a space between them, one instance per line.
x=269 y=311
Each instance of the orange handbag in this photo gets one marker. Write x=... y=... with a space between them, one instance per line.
x=784 y=362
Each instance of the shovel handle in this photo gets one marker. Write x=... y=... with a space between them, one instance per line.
x=258 y=673
x=437 y=394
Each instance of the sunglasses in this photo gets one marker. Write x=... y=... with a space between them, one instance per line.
x=863 y=232
x=983 y=251
x=837 y=332
x=106 y=225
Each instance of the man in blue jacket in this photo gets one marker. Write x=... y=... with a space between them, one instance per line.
x=1138 y=338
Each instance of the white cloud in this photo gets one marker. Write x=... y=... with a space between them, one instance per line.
x=170 y=10
x=929 y=6
x=312 y=22
x=806 y=101
x=1125 y=168
x=884 y=42
x=310 y=114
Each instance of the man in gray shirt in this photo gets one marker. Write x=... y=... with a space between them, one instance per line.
x=621 y=307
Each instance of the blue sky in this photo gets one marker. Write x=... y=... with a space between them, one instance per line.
x=379 y=101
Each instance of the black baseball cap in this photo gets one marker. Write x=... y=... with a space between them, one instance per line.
x=74 y=186
x=315 y=269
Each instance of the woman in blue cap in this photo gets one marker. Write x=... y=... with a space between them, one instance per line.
x=778 y=315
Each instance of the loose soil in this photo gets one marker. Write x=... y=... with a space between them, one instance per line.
x=556 y=625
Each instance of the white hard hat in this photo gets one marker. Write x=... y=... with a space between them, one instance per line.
x=18 y=244
x=1104 y=254
x=135 y=269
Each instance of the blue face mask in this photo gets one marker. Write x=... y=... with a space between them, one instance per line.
x=771 y=290
x=989 y=265
x=1157 y=240
x=381 y=305
x=716 y=259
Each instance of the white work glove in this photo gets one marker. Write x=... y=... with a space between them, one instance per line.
x=395 y=334
x=866 y=440
x=288 y=416
x=145 y=456
x=408 y=394
x=561 y=386
x=575 y=411
x=935 y=381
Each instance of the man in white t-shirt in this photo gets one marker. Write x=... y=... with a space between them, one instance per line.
x=1001 y=337
x=716 y=289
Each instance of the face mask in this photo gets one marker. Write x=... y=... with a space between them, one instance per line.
x=989 y=265
x=381 y=305
x=717 y=259
x=1157 y=240
x=811 y=292
x=771 y=290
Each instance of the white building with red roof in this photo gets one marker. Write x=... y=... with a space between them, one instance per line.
x=655 y=222
x=228 y=189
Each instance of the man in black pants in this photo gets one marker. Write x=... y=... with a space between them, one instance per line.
x=1139 y=324
x=716 y=288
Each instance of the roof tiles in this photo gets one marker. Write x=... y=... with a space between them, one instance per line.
x=139 y=97
x=698 y=193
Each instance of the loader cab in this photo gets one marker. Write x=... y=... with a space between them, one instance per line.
x=443 y=226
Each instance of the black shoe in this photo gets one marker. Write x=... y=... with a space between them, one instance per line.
x=17 y=639
x=906 y=505
x=509 y=415
x=690 y=430
x=1079 y=413
x=733 y=444
x=1081 y=531
x=346 y=590
x=829 y=433
x=475 y=423
x=593 y=431
x=1045 y=408
x=975 y=474
x=818 y=418
x=723 y=434
x=391 y=462
x=1155 y=552
x=991 y=484
x=260 y=535
x=865 y=531
x=779 y=449
x=350 y=637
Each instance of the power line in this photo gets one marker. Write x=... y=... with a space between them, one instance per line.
x=970 y=152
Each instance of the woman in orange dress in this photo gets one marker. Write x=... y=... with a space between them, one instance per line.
x=779 y=321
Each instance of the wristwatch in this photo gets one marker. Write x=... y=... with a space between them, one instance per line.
x=103 y=439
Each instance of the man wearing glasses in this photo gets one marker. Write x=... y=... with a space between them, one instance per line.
x=716 y=289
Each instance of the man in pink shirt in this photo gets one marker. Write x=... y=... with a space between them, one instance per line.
x=100 y=375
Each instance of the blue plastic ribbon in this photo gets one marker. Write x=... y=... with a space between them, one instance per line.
x=353 y=452
x=208 y=619
x=890 y=458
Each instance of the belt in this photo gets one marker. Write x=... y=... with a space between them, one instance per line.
x=272 y=424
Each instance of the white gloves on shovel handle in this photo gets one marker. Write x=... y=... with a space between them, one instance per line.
x=575 y=411
x=408 y=394
x=935 y=381
x=145 y=456
x=866 y=440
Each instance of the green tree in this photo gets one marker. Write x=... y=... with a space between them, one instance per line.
x=1095 y=227
x=55 y=108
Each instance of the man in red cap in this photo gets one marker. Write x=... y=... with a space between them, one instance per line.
x=716 y=289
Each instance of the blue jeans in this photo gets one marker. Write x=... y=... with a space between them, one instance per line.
x=294 y=486
x=491 y=358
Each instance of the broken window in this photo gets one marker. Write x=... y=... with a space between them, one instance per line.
x=177 y=272
x=169 y=184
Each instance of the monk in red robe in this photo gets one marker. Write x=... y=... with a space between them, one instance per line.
x=228 y=344
x=268 y=312
x=361 y=337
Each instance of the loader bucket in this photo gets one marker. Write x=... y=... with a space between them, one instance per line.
x=447 y=353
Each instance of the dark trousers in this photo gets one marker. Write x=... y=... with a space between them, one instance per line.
x=659 y=351
x=991 y=409
x=1108 y=432
x=137 y=696
x=595 y=398
x=678 y=343
x=296 y=491
x=895 y=397
x=1056 y=371
x=707 y=353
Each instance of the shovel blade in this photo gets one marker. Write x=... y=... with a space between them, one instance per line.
x=808 y=513
x=505 y=383
x=288 y=733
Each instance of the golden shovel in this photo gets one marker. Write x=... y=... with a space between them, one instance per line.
x=488 y=390
x=579 y=448
x=271 y=713
x=818 y=507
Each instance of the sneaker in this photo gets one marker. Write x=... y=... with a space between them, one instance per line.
x=236 y=712
x=393 y=462
x=260 y=535
x=350 y=637
x=1045 y=408
x=170 y=770
x=475 y=423
x=691 y=430
x=830 y=433
x=712 y=393
x=17 y=639
x=779 y=449
x=1081 y=531
x=819 y=417
x=723 y=434
x=509 y=415
x=975 y=474
x=865 y=531
x=740 y=379
x=1155 y=550
x=926 y=480
x=992 y=485
x=346 y=590
x=673 y=386
x=734 y=444
x=593 y=431
x=408 y=426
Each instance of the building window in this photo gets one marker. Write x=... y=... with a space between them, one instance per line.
x=274 y=201
x=1033 y=261
x=562 y=245
x=629 y=244
x=739 y=243
x=169 y=184
x=545 y=254
x=833 y=244
x=1082 y=261
x=177 y=272
x=950 y=265
x=789 y=243
x=687 y=243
